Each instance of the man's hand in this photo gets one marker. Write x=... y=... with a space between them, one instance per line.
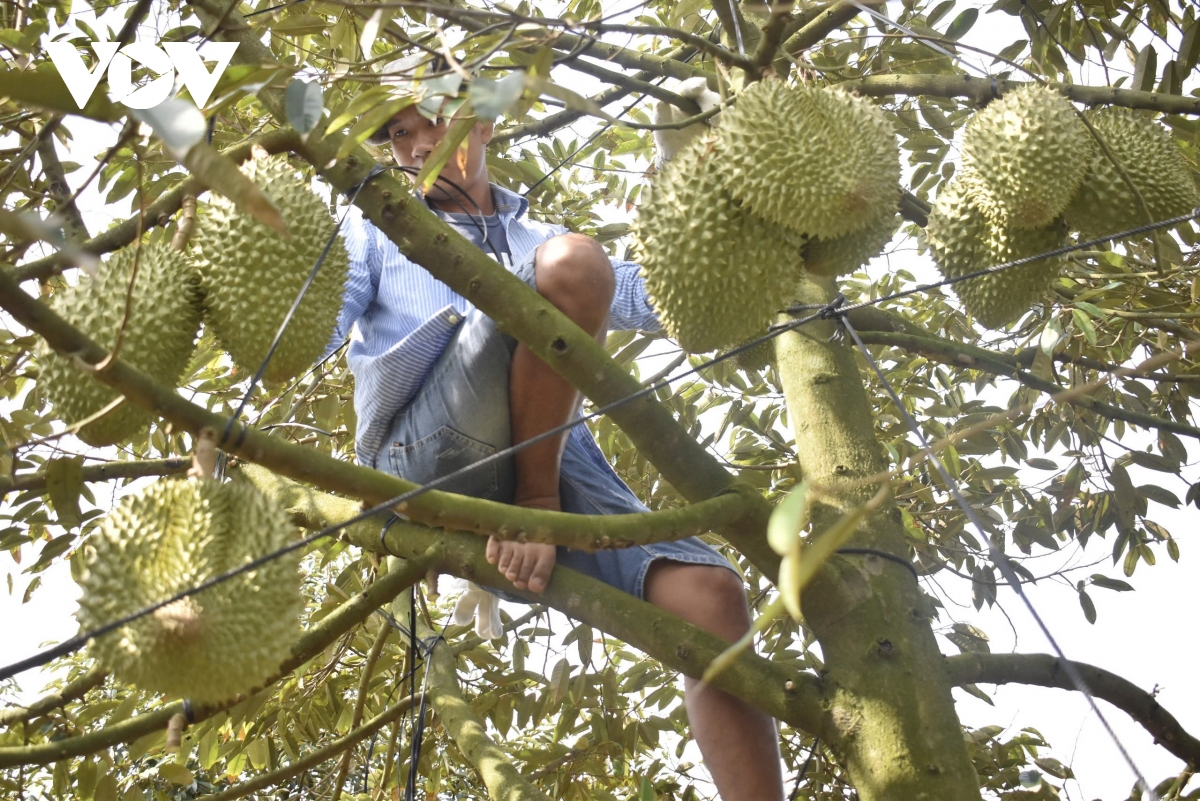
x=526 y=564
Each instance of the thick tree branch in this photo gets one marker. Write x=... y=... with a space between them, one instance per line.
x=313 y=642
x=788 y=696
x=535 y=322
x=99 y=472
x=980 y=89
x=74 y=689
x=157 y=213
x=74 y=229
x=829 y=20
x=1044 y=670
x=634 y=84
x=973 y=358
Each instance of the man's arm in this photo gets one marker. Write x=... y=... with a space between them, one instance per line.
x=362 y=280
x=631 y=310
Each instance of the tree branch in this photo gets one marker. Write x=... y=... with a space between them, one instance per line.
x=788 y=696
x=1044 y=670
x=99 y=472
x=634 y=84
x=74 y=229
x=980 y=89
x=833 y=17
x=313 y=642
x=75 y=689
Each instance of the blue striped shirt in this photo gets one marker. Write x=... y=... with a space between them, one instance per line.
x=400 y=318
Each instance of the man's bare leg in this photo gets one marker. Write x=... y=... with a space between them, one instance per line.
x=739 y=743
x=574 y=274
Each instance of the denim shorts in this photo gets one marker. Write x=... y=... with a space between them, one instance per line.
x=461 y=415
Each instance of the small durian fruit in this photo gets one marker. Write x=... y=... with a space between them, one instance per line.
x=252 y=275
x=756 y=358
x=844 y=254
x=173 y=535
x=714 y=272
x=1154 y=163
x=1025 y=155
x=963 y=239
x=822 y=162
x=158 y=339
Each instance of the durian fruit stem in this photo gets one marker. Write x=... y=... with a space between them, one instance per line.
x=364 y=684
x=314 y=758
x=313 y=642
x=204 y=455
x=884 y=683
x=187 y=222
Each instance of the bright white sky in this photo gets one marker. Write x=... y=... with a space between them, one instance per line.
x=1143 y=636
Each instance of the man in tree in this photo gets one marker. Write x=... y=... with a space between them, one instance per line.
x=439 y=387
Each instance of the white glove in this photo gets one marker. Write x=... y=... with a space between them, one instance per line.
x=672 y=140
x=484 y=606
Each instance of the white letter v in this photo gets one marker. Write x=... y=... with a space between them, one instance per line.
x=81 y=83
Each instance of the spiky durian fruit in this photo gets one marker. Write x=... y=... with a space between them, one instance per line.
x=964 y=239
x=252 y=275
x=846 y=253
x=714 y=272
x=822 y=162
x=171 y=536
x=164 y=316
x=1025 y=155
x=756 y=358
x=1148 y=154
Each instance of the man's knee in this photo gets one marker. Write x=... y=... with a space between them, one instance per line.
x=707 y=596
x=574 y=273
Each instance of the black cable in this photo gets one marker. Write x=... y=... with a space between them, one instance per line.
x=804 y=769
x=823 y=312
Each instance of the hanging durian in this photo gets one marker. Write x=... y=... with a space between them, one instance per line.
x=821 y=162
x=252 y=275
x=173 y=535
x=1024 y=156
x=963 y=239
x=715 y=273
x=158 y=339
x=1153 y=162
x=846 y=253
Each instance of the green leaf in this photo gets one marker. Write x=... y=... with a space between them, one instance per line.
x=1085 y=325
x=978 y=693
x=175 y=773
x=44 y=88
x=788 y=519
x=489 y=99
x=64 y=482
x=1089 y=608
x=1107 y=583
x=370 y=122
x=962 y=23
x=1042 y=464
x=455 y=136
x=304 y=103
x=1159 y=495
x=178 y=123
x=1145 y=69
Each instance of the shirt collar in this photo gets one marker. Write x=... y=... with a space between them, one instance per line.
x=508 y=204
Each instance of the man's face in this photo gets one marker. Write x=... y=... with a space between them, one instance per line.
x=413 y=137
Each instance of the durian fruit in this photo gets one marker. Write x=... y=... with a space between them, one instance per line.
x=173 y=535
x=846 y=253
x=1024 y=156
x=714 y=272
x=1149 y=155
x=252 y=275
x=963 y=239
x=164 y=316
x=822 y=162
x=757 y=357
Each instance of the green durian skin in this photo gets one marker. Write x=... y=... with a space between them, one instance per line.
x=173 y=535
x=159 y=337
x=715 y=272
x=844 y=254
x=819 y=161
x=252 y=275
x=1024 y=157
x=1148 y=153
x=963 y=239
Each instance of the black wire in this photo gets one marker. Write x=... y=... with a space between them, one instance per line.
x=804 y=769
x=823 y=312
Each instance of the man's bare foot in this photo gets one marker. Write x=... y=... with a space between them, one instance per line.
x=526 y=564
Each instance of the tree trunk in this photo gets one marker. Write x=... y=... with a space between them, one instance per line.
x=885 y=682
